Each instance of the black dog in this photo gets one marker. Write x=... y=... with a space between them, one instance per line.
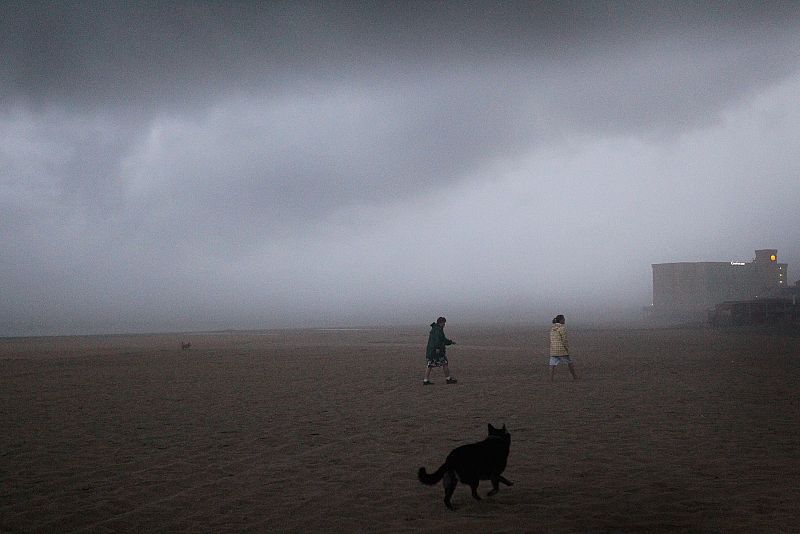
x=472 y=463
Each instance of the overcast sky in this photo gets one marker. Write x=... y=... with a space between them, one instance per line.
x=192 y=166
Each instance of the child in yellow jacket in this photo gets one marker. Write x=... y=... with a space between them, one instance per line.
x=559 y=347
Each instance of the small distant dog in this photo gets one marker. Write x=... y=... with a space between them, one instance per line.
x=472 y=463
x=185 y=346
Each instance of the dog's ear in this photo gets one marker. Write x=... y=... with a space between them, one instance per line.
x=504 y=428
x=491 y=428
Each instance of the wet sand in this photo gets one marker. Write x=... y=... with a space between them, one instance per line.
x=316 y=431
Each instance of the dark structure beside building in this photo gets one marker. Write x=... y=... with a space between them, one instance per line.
x=754 y=312
x=688 y=291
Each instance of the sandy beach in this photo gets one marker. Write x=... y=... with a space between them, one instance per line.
x=691 y=430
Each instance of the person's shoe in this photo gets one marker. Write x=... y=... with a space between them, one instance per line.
x=451 y=381
x=427 y=383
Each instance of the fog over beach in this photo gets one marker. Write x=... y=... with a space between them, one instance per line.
x=201 y=166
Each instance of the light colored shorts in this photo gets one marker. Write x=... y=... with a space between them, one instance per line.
x=555 y=360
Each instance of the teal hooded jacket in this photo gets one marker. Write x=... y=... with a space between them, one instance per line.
x=437 y=342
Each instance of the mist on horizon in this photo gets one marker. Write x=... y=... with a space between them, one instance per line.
x=199 y=167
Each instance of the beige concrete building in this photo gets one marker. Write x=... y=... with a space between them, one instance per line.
x=691 y=289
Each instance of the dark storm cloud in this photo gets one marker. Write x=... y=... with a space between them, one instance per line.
x=261 y=163
x=117 y=53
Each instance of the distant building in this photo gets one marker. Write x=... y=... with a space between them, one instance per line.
x=689 y=290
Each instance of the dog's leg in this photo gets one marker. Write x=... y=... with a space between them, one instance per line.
x=495 y=486
x=449 y=481
x=496 y=483
x=474 y=487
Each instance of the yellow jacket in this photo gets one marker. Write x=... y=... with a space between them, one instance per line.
x=558 y=340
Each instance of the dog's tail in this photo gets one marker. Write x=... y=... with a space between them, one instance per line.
x=432 y=478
